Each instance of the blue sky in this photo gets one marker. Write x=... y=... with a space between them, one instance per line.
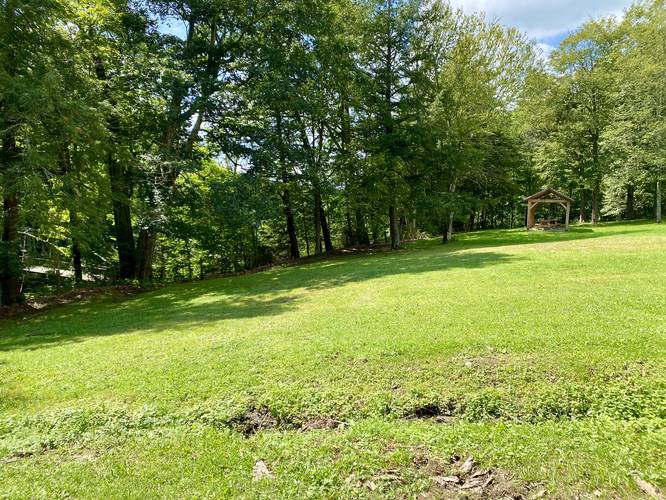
x=547 y=21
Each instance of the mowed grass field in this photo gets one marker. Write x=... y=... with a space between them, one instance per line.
x=540 y=355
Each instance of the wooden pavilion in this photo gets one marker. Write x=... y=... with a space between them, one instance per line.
x=547 y=196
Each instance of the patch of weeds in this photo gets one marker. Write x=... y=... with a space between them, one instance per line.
x=36 y=434
x=629 y=401
x=621 y=401
x=557 y=402
x=487 y=404
x=21 y=437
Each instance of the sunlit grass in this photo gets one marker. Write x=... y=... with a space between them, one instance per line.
x=542 y=353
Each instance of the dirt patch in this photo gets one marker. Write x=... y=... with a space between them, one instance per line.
x=489 y=366
x=17 y=455
x=16 y=310
x=40 y=304
x=254 y=421
x=443 y=412
x=322 y=423
x=85 y=456
x=381 y=480
x=492 y=360
x=650 y=490
x=261 y=419
x=463 y=477
x=456 y=477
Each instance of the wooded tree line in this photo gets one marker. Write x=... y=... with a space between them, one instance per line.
x=171 y=139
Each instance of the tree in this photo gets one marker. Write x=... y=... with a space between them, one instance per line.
x=469 y=117
x=37 y=61
x=640 y=109
x=584 y=62
x=387 y=62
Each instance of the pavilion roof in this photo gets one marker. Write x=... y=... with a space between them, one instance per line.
x=548 y=192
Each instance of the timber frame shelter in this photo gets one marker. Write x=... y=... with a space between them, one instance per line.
x=546 y=196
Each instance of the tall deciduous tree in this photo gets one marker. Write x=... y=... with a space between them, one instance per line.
x=640 y=112
x=584 y=63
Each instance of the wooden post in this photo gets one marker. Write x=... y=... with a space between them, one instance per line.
x=530 y=214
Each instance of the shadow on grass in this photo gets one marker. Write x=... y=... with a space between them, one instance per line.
x=185 y=306
x=180 y=307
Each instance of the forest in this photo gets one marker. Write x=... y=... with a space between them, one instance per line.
x=169 y=140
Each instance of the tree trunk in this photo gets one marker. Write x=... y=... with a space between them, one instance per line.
x=122 y=217
x=73 y=195
x=326 y=230
x=294 y=252
x=402 y=227
x=76 y=259
x=10 y=271
x=306 y=237
x=596 y=201
x=448 y=237
x=395 y=231
x=121 y=191
x=76 y=247
x=145 y=252
x=629 y=212
x=596 y=186
x=10 y=267
x=408 y=227
x=317 y=221
x=658 y=208
x=350 y=234
x=362 y=236
x=188 y=255
x=389 y=124
x=581 y=210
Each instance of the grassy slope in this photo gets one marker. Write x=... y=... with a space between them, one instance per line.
x=544 y=353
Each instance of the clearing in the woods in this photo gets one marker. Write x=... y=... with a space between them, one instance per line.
x=542 y=356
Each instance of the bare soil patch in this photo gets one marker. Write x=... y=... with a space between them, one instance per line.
x=40 y=304
x=463 y=477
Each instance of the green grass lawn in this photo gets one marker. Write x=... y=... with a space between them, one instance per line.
x=542 y=355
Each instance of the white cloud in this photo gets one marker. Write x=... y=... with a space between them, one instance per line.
x=545 y=50
x=543 y=18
